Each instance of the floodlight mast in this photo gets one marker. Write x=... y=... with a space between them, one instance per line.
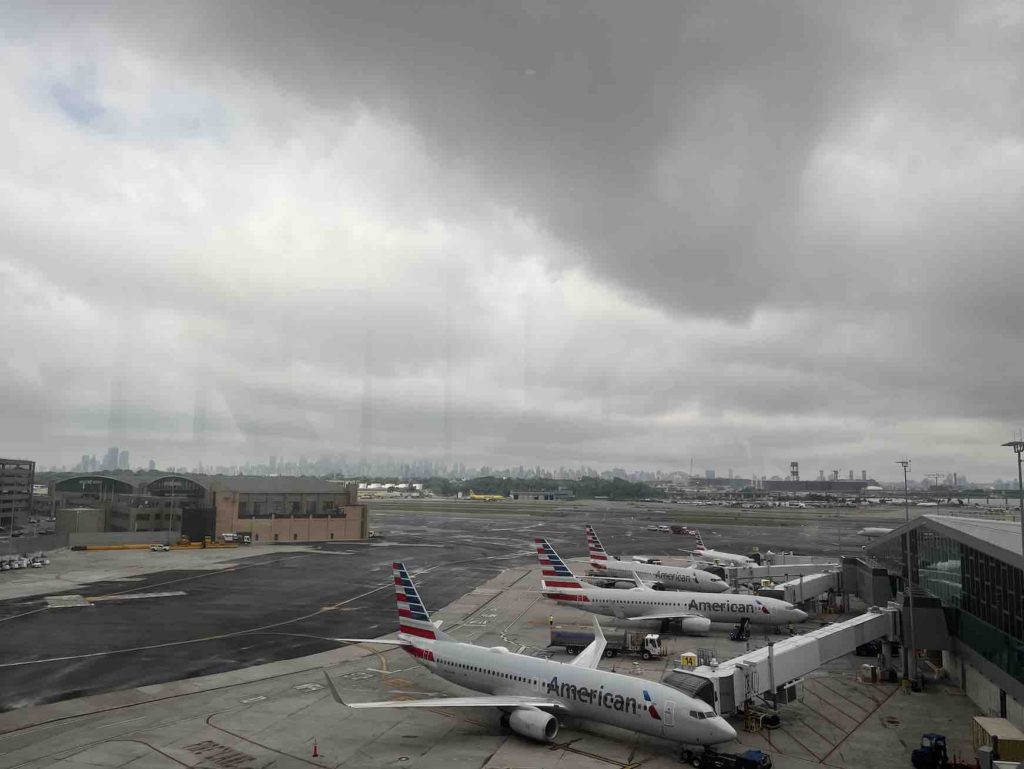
x=1018 y=447
x=911 y=652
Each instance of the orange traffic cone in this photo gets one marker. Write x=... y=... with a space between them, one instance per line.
x=316 y=753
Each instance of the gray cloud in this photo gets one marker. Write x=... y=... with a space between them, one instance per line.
x=619 y=235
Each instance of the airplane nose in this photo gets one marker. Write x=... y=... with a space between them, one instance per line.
x=800 y=615
x=723 y=731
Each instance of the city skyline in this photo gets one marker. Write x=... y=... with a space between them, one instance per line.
x=115 y=459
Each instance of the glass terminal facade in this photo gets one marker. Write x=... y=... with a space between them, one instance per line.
x=986 y=592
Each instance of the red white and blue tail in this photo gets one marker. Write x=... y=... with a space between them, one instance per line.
x=598 y=555
x=554 y=572
x=700 y=542
x=413 y=618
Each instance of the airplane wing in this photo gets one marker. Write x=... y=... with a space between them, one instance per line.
x=489 y=701
x=665 y=615
x=382 y=641
x=591 y=656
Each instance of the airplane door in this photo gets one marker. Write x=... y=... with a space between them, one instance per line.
x=669 y=717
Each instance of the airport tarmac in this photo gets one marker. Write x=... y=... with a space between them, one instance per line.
x=100 y=621
x=273 y=714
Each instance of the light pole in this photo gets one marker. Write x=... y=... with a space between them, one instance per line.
x=1018 y=447
x=911 y=653
x=936 y=477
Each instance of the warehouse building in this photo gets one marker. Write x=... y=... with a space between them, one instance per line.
x=269 y=509
x=16 y=479
x=974 y=570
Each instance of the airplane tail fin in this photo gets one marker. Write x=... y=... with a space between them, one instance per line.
x=696 y=536
x=413 y=618
x=554 y=572
x=598 y=555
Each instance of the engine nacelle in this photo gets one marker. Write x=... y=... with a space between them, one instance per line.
x=533 y=723
x=696 y=625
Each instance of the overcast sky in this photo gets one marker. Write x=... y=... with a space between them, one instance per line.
x=619 y=234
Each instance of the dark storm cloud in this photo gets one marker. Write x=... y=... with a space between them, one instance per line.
x=603 y=230
x=664 y=142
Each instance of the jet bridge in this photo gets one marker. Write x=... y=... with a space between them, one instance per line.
x=728 y=686
x=803 y=588
x=777 y=570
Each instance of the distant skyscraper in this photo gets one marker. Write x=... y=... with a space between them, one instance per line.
x=851 y=475
x=863 y=475
x=152 y=465
x=110 y=459
x=709 y=475
x=122 y=460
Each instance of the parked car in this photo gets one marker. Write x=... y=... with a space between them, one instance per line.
x=159 y=548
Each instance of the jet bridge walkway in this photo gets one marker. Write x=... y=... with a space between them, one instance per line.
x=728 y=686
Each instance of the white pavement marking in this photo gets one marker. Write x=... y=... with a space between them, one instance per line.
x=133 y=596
x=119 y=723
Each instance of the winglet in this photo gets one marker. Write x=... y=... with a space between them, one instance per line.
x=334 y=692
x=591 y=656
x=639 y=582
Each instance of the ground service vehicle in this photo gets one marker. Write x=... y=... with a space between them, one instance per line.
x=749 y=759
x=619 y=641
x=932 y=753
x=159 y=548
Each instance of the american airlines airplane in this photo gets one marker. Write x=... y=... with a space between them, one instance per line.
x=694 y=611
x=532 y=692
x=678 y=577
x=703 y=554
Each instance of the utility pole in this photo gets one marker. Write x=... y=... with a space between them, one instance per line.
x=911 y=652
x=1018 y=447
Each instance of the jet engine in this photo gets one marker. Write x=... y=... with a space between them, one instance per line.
x=695 y=624
x=533 y=723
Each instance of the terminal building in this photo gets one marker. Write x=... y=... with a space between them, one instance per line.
x=17 y=477
x=973 y=569
x=269 y=509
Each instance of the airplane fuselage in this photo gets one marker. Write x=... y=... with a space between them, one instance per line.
x=729 y=559
x=676 y=577
x=599 y=695
x=643 y=602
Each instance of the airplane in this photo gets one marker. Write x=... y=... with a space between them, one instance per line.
x=485 y=497
x=702 y=553
x=873 y=531
x=532 y=692
x=694 y=611
x=682 y=577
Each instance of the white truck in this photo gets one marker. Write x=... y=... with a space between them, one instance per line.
x=620 y=640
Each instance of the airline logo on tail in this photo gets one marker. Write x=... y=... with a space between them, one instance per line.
x=700 y=542
x=598 y=555
x=412 y=616
x=553 y=566
x=649 y=705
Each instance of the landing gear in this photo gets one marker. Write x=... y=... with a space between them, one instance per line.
x=741 y=632
x=686 y=756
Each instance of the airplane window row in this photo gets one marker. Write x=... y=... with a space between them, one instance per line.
x=475 y=669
